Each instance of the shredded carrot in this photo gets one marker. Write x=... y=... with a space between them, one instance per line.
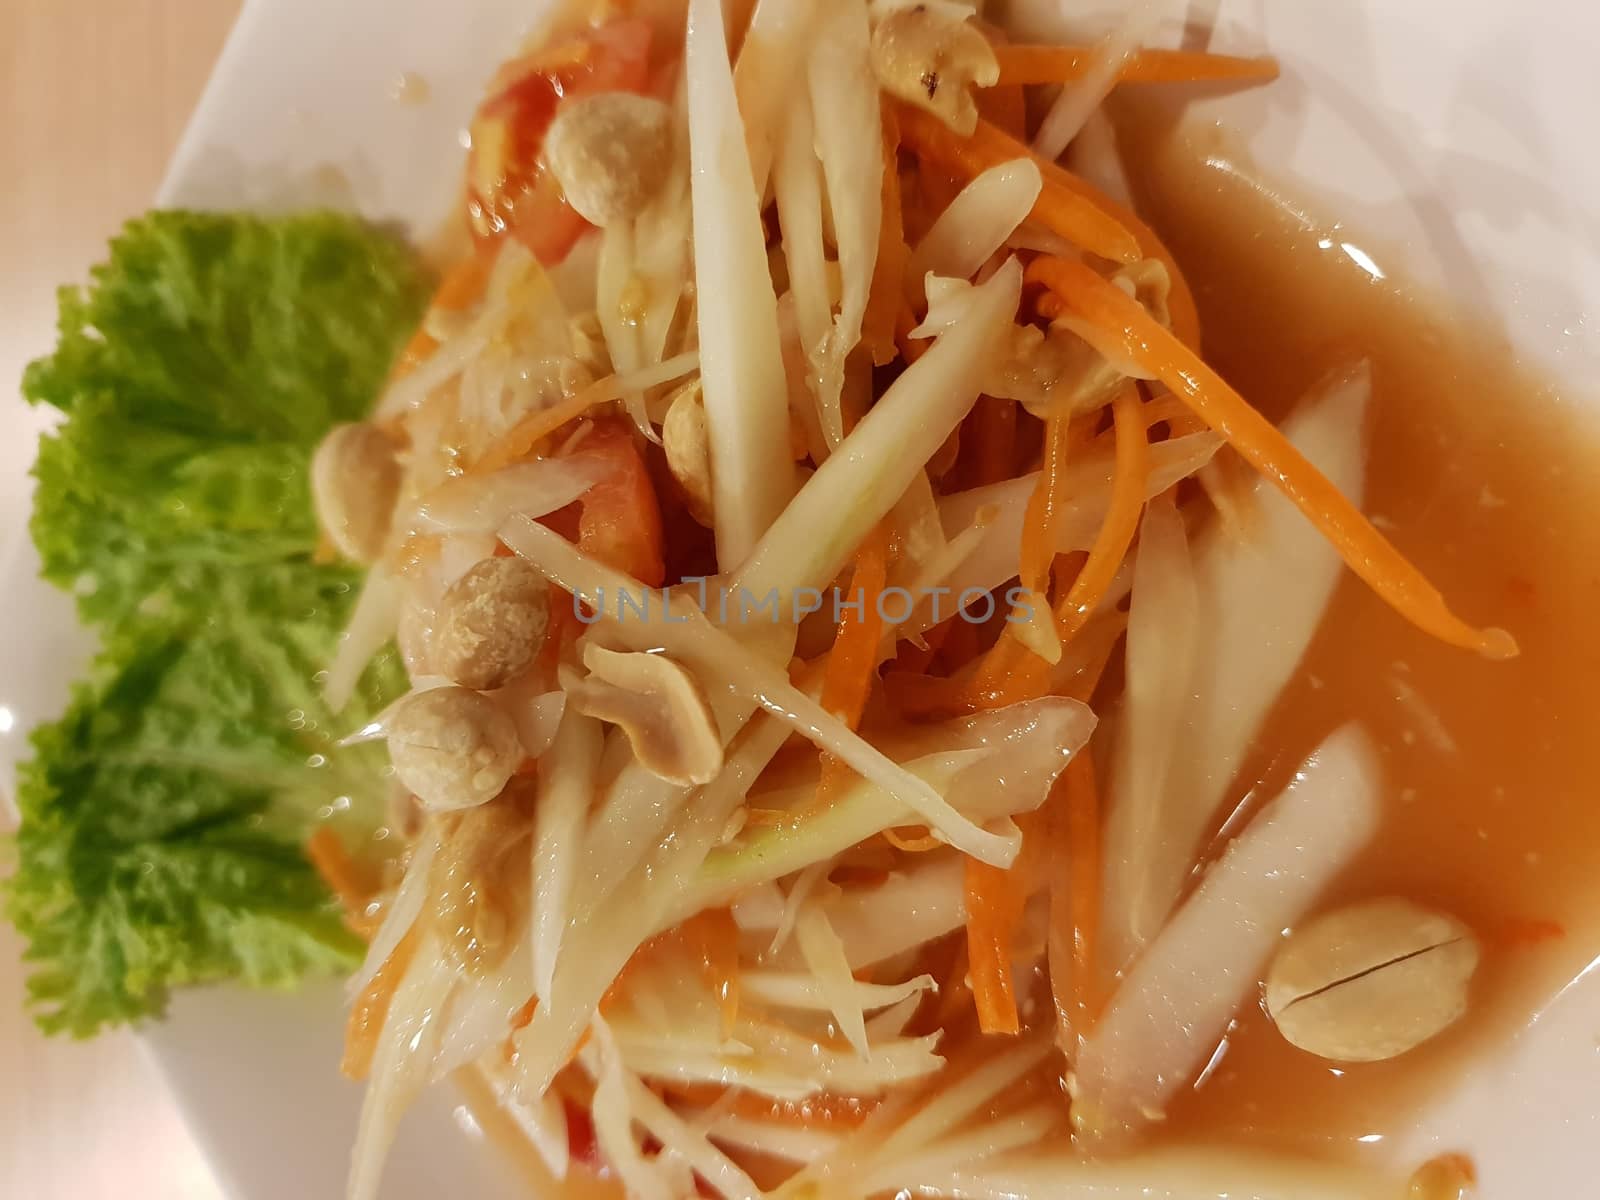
x=1067 y=211
x=1181 y=305
x=995 y=901
x=520 y=1020
x=1005 y=108
x=883 y=298
x=912 y=843
x=371 y=1008
x=577 y=1046
x=1082 y=878
x=994 y=907
x=1060 y=951
x=712 y=938
x=523 y=1017
x=1072 y=826
x=1022 y=66
x=326 y=850
x=519 y=441
x=1122 y=517
x=1070 y=206
x=853 y=661
x=462 y=287
x=1011 y=673
x=1127 y=332
x=1047 y=502
x=927 y=694
x=1025 y=677
x=1167 y=409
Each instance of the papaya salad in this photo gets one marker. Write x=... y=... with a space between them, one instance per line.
x=837 y=597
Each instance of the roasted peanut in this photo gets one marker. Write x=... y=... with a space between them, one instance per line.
x=1371 y=981
x=355 y=481
x=688 y=449
x=660 y=708
x=453 y=748
x=929 y=57
x=611 y=153
x=490 y=624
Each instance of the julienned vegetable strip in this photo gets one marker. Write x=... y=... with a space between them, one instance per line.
x=1064 y=210
x=371 y=1009
x=1004 y=107
x=524 y=437
x=1010 y=672
x=995 y=900
x=328 y=855
x=1074 y=849
x=742 y=380
x=1068 y=205
x=459 y=290
x=883 y=299
x=853 y=661
x=713 y=941
x=1023 y=65
x=1180 y=301
x=1081 y=826
x=1122 y=517
x=703 y=646
x=1126 y=331
x=1045 y=505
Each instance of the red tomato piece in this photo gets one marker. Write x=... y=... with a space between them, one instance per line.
x=581 y=1142
x=508 y=188
x=618 y=520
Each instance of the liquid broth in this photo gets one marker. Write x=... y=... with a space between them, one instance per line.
x=1481 y=474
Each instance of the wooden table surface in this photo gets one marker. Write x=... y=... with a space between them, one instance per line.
x=96 y=93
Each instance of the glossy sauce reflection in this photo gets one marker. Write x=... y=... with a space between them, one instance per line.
x=1480 y=473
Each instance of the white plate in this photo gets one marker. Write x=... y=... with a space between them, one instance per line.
x=1457 y=135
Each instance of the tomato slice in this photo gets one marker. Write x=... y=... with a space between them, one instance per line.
x=582 y=1144
x=508 y=188
x=618 y=520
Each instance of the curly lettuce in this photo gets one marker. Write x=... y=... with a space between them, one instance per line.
x=163 y=816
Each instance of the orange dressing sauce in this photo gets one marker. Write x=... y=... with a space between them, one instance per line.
x=1480 y=472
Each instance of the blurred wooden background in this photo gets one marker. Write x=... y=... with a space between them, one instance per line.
x=96 y=93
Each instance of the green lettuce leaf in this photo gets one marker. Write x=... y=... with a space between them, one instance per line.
x=163 y=815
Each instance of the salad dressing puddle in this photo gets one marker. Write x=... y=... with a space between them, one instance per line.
x=1481 y=473
x=1478 y=473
